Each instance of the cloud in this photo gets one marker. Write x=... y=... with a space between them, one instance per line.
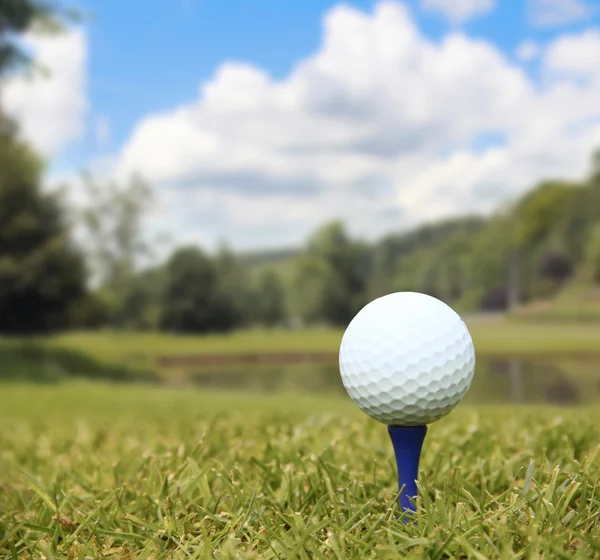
x=575 y=56
x=550 y=13
x=459 y=11
x=528 y=50
x=381 y=127
x=51 y=105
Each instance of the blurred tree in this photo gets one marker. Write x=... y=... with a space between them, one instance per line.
x=90 y=313
x=19 y=16
x=489 y=258
x=194 y=300
x=42 y=275
x=556 y=266
x=140 y=309
x=234 y=288
x=533 y=220
x=389 y=267
x=592 y=254
x=117 y=241
x=310 y=288
x=331 y=278
x=113 y=219
x=191 y=286
x=495 y=299
x=579 y=217
x=269 y=306
x=595 y=174
x=540 y=210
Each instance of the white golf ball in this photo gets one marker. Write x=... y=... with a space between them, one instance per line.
x=407 y=359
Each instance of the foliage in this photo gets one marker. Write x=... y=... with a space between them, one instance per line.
x=140 y=308
x=269 y=300
x=203 y=294
x=19 y=16
x=540 y=210
x=235 y=296
x=92 y=472
x=556 y=265
x=190 y=292
x=332 y=276
x=42 y=275
x=113 y=219
x=592 y=253
x=527 y=251
x=397 y=257
x=117 y=242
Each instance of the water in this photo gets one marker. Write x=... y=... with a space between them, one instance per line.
x=496 y=381
x=500 y=380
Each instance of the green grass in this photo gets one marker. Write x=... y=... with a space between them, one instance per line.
x=577 y=302
x=499 y=337
x=32 y=361
x=93 y=471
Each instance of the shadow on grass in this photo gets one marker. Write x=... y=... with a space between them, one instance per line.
x=34 y=362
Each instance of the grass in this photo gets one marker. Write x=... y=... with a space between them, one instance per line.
x=492 y=337
x=577 y=302
x=32 y=361
x=94 y=471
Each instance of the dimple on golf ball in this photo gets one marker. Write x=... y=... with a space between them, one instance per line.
x=407 y=359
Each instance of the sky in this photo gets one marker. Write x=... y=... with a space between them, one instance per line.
x=257 y=122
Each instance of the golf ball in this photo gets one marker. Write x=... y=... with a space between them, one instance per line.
x=407 y=359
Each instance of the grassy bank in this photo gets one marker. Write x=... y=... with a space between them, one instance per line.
x=128 y=356
x=93 y=471
x=491 y=337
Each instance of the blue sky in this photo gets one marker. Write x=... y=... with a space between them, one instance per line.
x=149 y=55
x=256 y=121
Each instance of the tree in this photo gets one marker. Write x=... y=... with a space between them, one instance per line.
x=538 y=212
x=592 y=254
x=234 y=287
x=595 y=174
x=581 y=213
x=113 y=219
x=490 y=256
x=18 y=16
x=269 y=307
x=533 y=220
x=556 y=266
x=116 y=238
x=140 y=308
x=390 y=266
x=42 y=274
x=331 y=277
x=193 y=300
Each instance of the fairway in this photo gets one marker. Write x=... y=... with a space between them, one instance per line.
x=100 y=471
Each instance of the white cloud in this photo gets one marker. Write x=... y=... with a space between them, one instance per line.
x=381 y=127
x=528 y=50
x=549 y=13
x=51 y=106
x=459 y=11
x=575 y=55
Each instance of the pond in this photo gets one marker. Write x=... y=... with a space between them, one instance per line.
x=499 y=380
x=563 y=381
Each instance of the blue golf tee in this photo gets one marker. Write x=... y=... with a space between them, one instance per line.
x=407 y=442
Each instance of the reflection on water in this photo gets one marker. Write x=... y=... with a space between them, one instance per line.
x=499 y=380
x=506 y=380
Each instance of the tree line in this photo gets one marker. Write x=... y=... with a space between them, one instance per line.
x=529 y=250
x=547 y=239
